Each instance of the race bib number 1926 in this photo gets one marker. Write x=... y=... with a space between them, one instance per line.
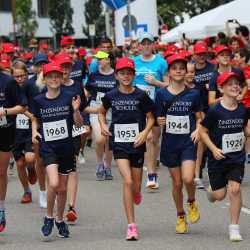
x=177 y=124
x=232 y=142
x=126 y=132
x=54 y=131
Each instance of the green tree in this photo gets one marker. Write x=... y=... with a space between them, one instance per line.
x=60 y=14
x=26 y=20
x=93 y=15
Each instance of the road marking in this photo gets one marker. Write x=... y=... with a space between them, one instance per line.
x=245 y=210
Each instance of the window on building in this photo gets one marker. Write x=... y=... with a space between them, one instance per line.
x=43 y=8
x=5 y=5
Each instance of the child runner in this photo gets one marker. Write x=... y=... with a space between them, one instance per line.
x=12 y=102
x=222 y=131
x=178 y=111
x=23 y=149
x=132 y=120
x=55 y=112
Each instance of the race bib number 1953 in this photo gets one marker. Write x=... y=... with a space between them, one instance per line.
x=54 y=131
x=126 y=132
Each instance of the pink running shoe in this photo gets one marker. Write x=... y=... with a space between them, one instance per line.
x=137 y=198
x=132 y=233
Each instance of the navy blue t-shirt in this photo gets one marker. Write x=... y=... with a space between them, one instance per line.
x=128 y=116
x=213 y=82
x=226 y=131
x=56 y=123
x=99 y=84
x=10 y=96
x=202 y=79
x=180 y=121
x=78 y=72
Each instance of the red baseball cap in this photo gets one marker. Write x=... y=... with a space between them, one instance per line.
x=125 y=63
x=51 y=67
x=186 y=54
x=221 y=48
x=67 y=40
x=175 y=58
x=82 y=52
x=5 y=61
x=63 y=58
x=200 y=48
x=28 y=56
x=224 y=77
x=167 y=53
x=44 y=46
x=8 y=48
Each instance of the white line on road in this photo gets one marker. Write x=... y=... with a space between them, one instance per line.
x=243 y=209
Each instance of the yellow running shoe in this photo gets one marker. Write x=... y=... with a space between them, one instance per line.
x=193 y=212
x=181 y=225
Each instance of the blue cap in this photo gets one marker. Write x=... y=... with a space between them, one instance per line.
x=146 y=35
x=40 y=58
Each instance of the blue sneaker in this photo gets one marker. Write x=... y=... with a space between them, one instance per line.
x=100 y=172
x=108 y=174
x=2 y=221
x=47 y=228
x=63 y=230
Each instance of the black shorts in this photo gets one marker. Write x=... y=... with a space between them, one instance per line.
x=7 y=139
x=66 y=164
x=20 y=149
x=219 y=177
x=136 y=160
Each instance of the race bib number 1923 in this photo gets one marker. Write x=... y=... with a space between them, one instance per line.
x=232 y=142
x=54 y=131
x=177 y=124
x=126 y=132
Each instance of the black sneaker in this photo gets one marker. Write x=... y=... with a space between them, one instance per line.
x=63 y=230
x=47 y=228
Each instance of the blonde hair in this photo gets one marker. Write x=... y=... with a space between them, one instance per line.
x=40 y=83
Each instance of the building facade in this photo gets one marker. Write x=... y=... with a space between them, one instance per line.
x=41 y=9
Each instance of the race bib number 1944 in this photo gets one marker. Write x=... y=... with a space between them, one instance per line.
x=177 y=124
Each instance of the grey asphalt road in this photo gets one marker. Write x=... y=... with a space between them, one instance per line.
x=102 y=223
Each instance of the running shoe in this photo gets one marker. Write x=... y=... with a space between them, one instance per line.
x=2 y=221
x=234 y=233
x=181 y=225
x=108 y=174
x=132 y=233
x=152 y=181
x=199 y=183
x=137 y=198
x=100 y=172
x=81 y=159
x=43 y=199
x=63 y=230
x=71 y=215
x=32 y=175
x=27 y=198
x=47 y=228
x=193 y=212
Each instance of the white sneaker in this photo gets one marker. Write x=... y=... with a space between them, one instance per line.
x=152 y=181
x=81 y=159
x=234 y=233
x=43 y=199
x=199 y=183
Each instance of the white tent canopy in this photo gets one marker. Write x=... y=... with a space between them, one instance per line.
x=211 y=22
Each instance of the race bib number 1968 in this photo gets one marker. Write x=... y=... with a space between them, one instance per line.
x=54 y=131
x=232 y=142
x=177 y=124
x=126 y=132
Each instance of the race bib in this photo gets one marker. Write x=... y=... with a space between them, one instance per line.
x=3 y=120
x=99 y=97
x=150 y=90
x=78 y=131
x=233 y=142
x=126 y=132
x=22 y=122
x=54 y=131
x=177 y=124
